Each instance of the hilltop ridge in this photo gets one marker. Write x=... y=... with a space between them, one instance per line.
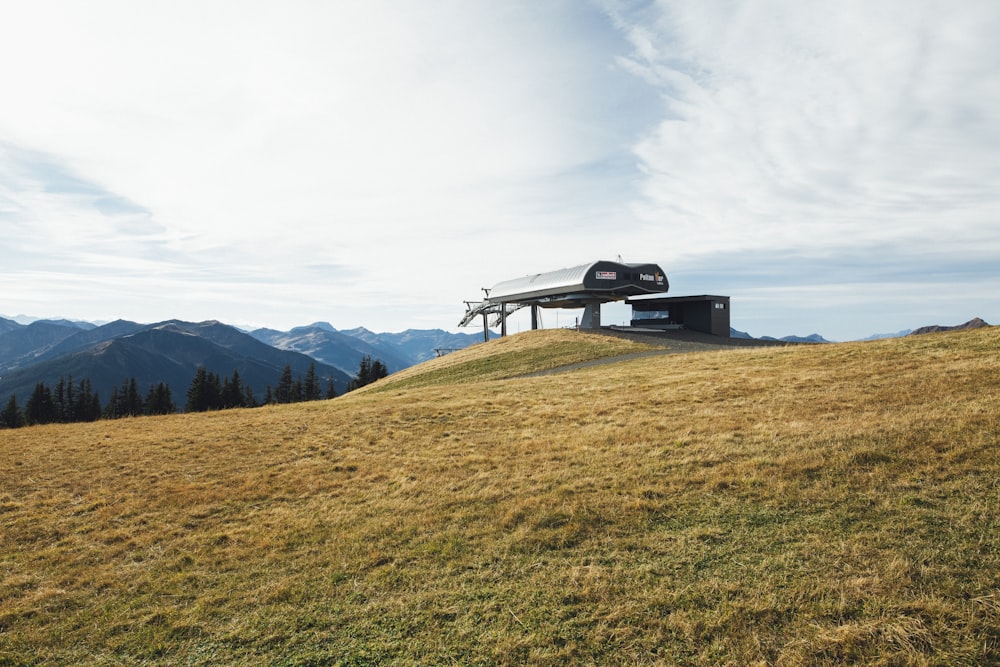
x=790 y=504
x=974 y=323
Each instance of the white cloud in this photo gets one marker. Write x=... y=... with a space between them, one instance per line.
x=804 y=125
x=221 y=116
x=383 y=159
x=359 y=134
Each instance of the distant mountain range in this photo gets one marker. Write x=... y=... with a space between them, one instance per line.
x=882 y=336
x=344 y=349
x=171 y=352
x=974 y=323
x=812 y=338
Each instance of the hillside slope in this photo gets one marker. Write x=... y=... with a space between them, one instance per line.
x=511 y=357
x=22 y=345
x=791 y=505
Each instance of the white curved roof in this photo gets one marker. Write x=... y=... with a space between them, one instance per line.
x=557 y=281
x=602 y=280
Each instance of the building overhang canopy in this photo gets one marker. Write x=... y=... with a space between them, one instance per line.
x=655 y=303
x=575 y=287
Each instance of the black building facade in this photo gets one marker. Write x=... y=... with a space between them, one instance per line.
x=705 y=313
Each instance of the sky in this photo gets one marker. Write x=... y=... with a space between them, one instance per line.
x=833 y=167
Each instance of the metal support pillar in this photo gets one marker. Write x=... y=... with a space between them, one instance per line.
x=534 y=316
x=503 y=320
x=591 y=316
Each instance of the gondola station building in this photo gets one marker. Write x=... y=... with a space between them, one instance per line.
x=587 y=286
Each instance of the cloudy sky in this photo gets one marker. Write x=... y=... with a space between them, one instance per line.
x=832 y=166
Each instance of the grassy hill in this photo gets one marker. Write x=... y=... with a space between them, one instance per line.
x=784 y=506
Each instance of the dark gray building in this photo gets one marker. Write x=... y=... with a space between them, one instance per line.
x=705 y=313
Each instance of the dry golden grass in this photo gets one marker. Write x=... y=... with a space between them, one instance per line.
x=512 y=356
x=780 y=506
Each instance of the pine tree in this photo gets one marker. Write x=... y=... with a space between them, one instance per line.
x=249 y=400
x=95 y=406
x=285 y=391
x=125 y=401
x=62 y=413
x=364 y=372
x=11 y=417
x=311 y=389
x=92 y=407
x=159 y=400
x=40 y=408
x=133 y=401
x=232 y=391
x=369 y=371
x=111 y=409
x=331 y=391
x=85 y=405
x=69 y=409
x=214 y=391
x=197 y=393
